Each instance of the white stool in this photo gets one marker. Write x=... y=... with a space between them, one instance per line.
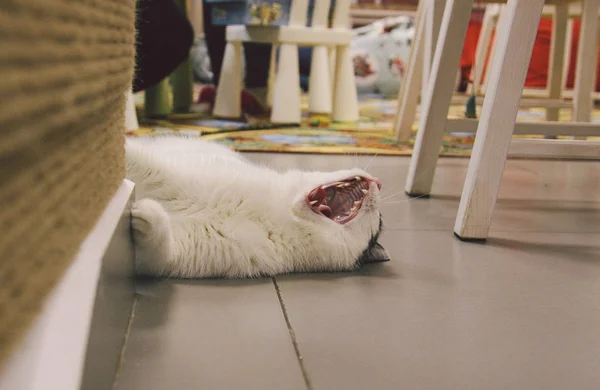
x=508 y=70
x=560 y=49
x=328 y=93
x=409 y=93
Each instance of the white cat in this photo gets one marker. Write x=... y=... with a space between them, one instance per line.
x=203 y=210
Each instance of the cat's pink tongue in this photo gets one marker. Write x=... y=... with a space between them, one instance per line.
x=325 y=210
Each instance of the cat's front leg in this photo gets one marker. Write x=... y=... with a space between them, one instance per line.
x=152 y=236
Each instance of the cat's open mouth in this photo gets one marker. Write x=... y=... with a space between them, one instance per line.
x=340 y=201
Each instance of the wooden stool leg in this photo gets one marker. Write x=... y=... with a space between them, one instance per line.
x=228 y=102
x=557 y=57
x=319 y=93
x=319 y=84
x=434 y=11
x=567 y=62
x=491 y=49
x=586 y=61
x=332 y=67
x=436 y=102
x=515 y=40
x=272 y=76
x=490 y=19
x=408 y=95
x=345 y=102
x=286 y=96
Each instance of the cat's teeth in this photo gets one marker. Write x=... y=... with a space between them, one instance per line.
x=314 y=202
x=341 y=185
x=364 y=191
x=357 y=178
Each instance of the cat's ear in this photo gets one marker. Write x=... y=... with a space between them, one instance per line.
x=374 y=254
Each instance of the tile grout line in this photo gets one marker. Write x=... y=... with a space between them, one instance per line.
x=125 y=339
x=292 y=336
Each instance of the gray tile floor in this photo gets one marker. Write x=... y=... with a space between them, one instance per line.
x=520 y=312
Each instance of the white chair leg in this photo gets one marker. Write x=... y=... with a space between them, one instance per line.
x=319 y=84
x=515 y=40
x=286 y=96
x=319 y=93
x=586 y=61
x=228 y=102
x=433 y=13
x=345 y=102
x=567 y=61
x=557 y=57
x=436 y=101
x=491 y=49
x=131 y=120
x=490 y=19
x=408 y=95
x=332 y=68
x=272 y=75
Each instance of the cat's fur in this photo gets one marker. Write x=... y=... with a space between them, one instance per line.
x=205 y=211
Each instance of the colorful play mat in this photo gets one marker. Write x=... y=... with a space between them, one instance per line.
x=372 y=134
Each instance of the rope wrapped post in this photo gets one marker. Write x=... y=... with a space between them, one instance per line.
x=61 y=142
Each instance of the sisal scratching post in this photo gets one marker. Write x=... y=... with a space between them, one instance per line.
x=156 y=100
x=61 y=143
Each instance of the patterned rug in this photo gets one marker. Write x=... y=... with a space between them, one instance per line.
x=372 y=134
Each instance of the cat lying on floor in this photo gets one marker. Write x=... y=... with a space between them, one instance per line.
x=203 y=210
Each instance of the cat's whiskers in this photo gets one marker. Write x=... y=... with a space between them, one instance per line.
x=384 y=200
x=407 y=200
x=370 y=162
x=391 y=196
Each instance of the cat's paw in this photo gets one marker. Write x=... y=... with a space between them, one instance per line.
x=149 y=220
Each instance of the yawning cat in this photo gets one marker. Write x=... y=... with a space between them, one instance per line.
x=203 y=210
